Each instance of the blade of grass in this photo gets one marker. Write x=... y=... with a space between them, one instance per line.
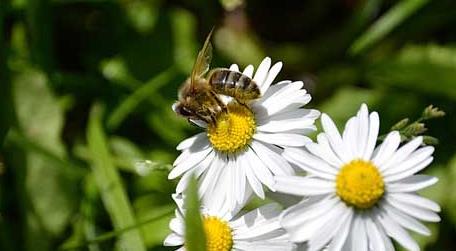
x=195 y=239
x=88 y=211
x=113 y=234
x=109 y=183
x=383 y=26
x=19 y=140
x=131 y=102
x=136 y=166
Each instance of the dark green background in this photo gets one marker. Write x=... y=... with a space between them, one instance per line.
x=86 y=88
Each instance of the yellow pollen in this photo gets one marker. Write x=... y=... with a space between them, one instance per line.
x=360 y=184
x=218 y=234
x=233 y=130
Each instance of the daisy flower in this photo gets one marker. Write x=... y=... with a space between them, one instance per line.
x=229 y=230
x=242 y=150
x=358 y=195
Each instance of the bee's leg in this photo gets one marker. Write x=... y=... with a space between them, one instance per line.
x=220 y=104
x=243 y=103
x=214 y=119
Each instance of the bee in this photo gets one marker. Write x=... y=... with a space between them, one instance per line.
x=199 y=96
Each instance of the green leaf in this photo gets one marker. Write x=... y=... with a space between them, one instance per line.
x=84 y=228
x=239 y=46
x=142 y=15
x=384 y=25
x=150 y=205
x=195 y=239
x=450 y=197
x=148 y=90
x=185 y=49
x=428 y=69
x=49 y=178
x=109 y=183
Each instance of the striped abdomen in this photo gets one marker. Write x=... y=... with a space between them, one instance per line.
x=234 y=84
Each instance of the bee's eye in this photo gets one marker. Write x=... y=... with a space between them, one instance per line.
x=184 y=111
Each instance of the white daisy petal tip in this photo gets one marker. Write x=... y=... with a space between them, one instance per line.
x=248 y=71
x=234 y=67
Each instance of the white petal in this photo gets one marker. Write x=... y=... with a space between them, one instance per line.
x=273 y=89
x=417 y=212
x=332 y=232
x=416 y=200
x=340 y=238
x=286 y=125
x=183 y=182
x=198 y=123
x=269 y=245
x=374 y=124
x=297 y=114
x=397 y=232
x=359 y=236
x=177 y=226
x=240 y=181
x=198 y=139
x=282 y=139
x=255 y=184
x=384 y=152
x=210 y=176
x=349 y=136
x=402 y=153
x=404 y=220
x=262 y=71
x=363 y=130
x=386 y=240
x=310 y=163
x=303 y=220
x=315 y=227
x=280 y=93
x=408 y=170
x=273 y=72
x=303 y=186
x=259 y=169
x=288 y=100
x=334 y=138
x=414 y=158
x=325 y=151
x=234 y=67
x=191 y=162
x=173 y=240
x=411 y=183
x=256 y=216
x=270 y=156
x=248 y=71
x=261 y=231
x=374 y=235
x=233 y=198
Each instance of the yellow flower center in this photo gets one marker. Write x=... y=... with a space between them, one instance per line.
x=218 y=234
x=360 y=184
x=233 y=130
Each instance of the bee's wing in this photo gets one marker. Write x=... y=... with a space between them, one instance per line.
x=203 y=60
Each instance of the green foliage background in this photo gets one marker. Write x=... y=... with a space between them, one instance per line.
x=86 y=88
